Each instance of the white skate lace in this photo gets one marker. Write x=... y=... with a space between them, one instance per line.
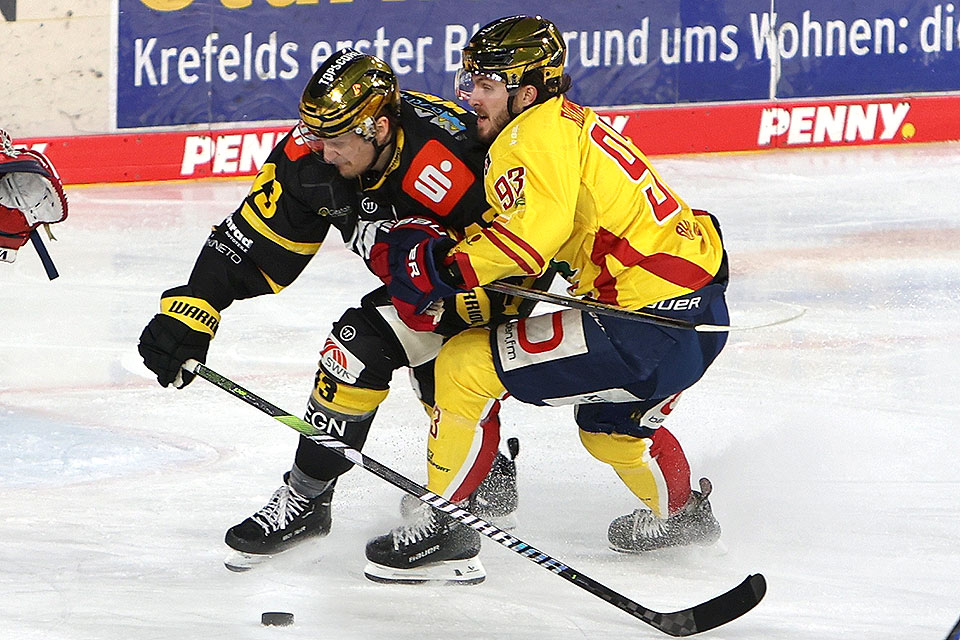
x=647 y=525
x=414 y=532
x=283 y=507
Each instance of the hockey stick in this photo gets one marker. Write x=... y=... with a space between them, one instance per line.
x=955 y=632
x=586 y=304
x=45 y=258
x=707 y=615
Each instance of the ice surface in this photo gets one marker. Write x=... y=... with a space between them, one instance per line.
x=832 y=441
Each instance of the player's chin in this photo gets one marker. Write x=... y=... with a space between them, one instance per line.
x=485 y=129
x=348 y=171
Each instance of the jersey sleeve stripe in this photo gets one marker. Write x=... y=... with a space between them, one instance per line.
x=470 y=280
x=520 y=242
x=510 y=253
x=302 y=248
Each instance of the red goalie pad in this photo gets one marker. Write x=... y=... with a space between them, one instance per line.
x=31 y=194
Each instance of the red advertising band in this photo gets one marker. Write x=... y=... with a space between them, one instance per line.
x=749 y=126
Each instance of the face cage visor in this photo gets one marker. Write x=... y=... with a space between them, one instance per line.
x=463 y=82
x=313 y=141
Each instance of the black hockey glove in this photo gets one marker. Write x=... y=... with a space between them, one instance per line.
x=182 y=330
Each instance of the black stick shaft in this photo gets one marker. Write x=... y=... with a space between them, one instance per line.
x=593 y=306
x=586 y=304
x=45 y=258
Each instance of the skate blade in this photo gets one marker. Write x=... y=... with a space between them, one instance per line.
x=716 y=548
x=238 y=561
x=447 y=572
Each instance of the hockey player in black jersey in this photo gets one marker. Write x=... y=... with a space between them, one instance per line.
x=400 y=155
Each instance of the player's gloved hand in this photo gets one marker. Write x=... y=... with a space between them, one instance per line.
x=31 y=195
x=410 y=262
x=182 y=330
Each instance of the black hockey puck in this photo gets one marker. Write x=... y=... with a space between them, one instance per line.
x=276 y=619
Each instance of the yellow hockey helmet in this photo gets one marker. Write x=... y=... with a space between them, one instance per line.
x=347 y=93
x=510 y=48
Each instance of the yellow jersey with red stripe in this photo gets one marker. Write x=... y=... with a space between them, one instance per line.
x=570 y=191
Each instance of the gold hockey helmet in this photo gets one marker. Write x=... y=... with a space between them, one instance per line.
x=347 y=93
x=510 y=48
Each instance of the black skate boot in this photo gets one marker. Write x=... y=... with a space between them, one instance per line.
x=495 y=500
x=643 y=531
x=431 y=547
x=286 y=520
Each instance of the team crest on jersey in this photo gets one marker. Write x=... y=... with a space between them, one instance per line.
x=437 y=178
x=440 y=113
x=688 y=230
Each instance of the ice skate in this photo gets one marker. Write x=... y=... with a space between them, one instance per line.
x=643 y=531
x=495 y=500
x=286 y=520
x=430 y=547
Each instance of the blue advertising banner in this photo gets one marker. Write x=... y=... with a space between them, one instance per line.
x=219 y=61
x=861 y=48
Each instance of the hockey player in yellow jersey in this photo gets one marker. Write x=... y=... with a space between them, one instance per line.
x=569 y=192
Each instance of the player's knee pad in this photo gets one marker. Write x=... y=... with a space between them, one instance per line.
x=341 y=398
x=464 y=372
x=318 y=461
x=361 y=350
x=356 y=363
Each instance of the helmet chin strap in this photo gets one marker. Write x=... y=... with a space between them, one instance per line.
x=510 y=96
x=378 y=150
x=510 y=111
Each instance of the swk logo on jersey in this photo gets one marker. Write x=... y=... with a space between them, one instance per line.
x=437 y=179
x=337 y=360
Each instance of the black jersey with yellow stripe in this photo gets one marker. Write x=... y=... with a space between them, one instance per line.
x=265 y=244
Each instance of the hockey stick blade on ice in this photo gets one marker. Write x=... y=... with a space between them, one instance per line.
x=686 y=622
x=955 y=632
x=586 y=304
